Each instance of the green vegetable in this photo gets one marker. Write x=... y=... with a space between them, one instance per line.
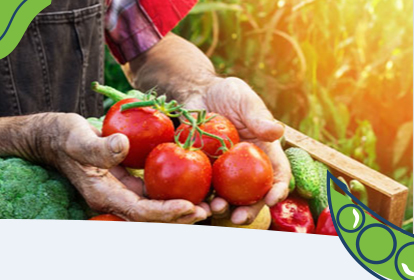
x=359 y=189
x=318 y=204
x=28 y=191
x=97 y=123
x=305 y=172
x=292 y=184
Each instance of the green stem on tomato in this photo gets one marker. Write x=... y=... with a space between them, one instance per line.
x=223 y=144
x=138 y=104
x=109 y=92
x=189 y=141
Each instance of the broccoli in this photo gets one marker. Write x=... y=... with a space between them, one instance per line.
x=28 y=191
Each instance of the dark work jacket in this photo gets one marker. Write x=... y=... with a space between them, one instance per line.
x=53 y=66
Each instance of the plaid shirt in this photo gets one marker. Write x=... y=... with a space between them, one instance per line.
x=134 y=26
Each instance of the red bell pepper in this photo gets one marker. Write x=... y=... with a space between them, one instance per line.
x=293 y=215
x=325 y=225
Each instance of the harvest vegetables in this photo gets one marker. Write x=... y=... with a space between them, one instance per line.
x=293 y=215
x=243 y=175
x=173 y=172
x=310 y=178
x=28 y=191
x=305 y=172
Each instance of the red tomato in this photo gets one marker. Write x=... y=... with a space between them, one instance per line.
x=243 y=175
x=219 y=126
x=145 y=128
x=172 y=172
x=107 y=217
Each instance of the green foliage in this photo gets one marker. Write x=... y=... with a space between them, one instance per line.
x=114 y=77
x=28 y=191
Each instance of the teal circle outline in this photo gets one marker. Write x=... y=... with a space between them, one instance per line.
x=339 y=222
x=394 y=248
x=396 y=260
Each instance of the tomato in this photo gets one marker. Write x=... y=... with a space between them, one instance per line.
x=145 y=128
x=172 y=172
x=243 y=175
x=107 y=217
x=219 y=126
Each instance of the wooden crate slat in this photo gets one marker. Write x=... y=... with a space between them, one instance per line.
x=387 y=197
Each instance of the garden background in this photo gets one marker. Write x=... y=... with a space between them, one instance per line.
x=340 y=71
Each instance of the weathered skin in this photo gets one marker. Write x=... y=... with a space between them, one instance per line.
x=69 y=143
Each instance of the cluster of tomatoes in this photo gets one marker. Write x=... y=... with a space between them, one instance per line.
x=202 y=154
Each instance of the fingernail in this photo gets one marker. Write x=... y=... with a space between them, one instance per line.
x=115 y=144
x=280 y=123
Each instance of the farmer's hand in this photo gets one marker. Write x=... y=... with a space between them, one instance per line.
x=234 y=99
x=69 y=143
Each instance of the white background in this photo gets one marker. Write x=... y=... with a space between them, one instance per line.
x=58 y=250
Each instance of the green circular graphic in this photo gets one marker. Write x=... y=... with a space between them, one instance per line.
x=376 y=243
x=351 y=218
x=405 y=261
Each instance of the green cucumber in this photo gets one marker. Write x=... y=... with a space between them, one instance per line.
x=305 y=173
x=292 y=184
x=318 y=204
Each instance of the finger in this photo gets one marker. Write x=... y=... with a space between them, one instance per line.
x=206 y=208
x=104 y=193
x=199 y=215
x=278 y=193
x=245 y=215
x=260 y=121
x=254 y=113
x=131 y=182
x=219 y=208
x=166 y=211
x=281 y=173
x=86 y=147
x=97 y=132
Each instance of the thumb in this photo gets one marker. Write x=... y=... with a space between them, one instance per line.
x=260 y=121
x=102 y=152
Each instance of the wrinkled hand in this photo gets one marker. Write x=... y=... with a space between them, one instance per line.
x=234 y=99
x=69 y=143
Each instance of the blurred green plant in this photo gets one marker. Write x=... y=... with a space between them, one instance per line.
x=340 y=71
x=114 y=77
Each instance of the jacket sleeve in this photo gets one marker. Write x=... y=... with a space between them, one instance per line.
x=134 y=26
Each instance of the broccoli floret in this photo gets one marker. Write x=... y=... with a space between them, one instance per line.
x=28 y=191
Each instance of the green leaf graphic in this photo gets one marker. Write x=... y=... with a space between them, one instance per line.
x=383 y=249
x=15 y=17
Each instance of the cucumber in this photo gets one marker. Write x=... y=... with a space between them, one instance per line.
x=305 y=172
x=292 y=184
x=318 y=204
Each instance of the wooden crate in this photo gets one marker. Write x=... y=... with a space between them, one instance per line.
x=386 y=197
